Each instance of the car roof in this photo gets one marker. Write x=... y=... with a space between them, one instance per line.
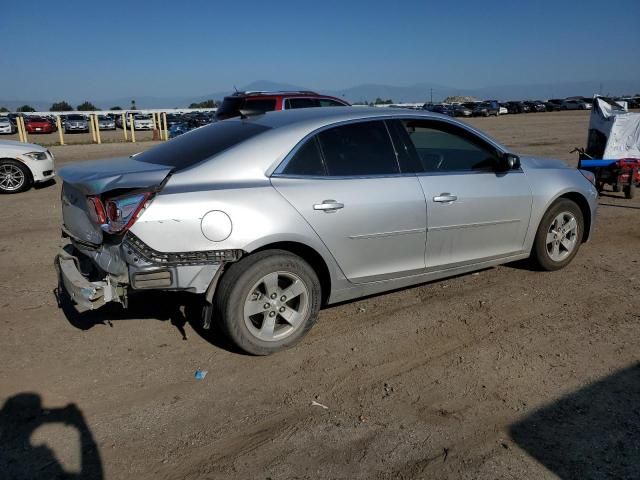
x=314 y=118
x=250 y=93
x=262 y=153
x=279 y=94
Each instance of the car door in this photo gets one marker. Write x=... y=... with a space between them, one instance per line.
x=474 y=212
x=347 y=184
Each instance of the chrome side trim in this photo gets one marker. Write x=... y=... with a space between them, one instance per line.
x=387 y=234
x=469 y=225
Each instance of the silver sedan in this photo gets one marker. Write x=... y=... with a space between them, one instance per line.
x=270 y=217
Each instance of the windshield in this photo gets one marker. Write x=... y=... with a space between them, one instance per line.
x=75 y=117
x=201 y=144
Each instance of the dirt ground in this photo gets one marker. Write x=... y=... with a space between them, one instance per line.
x=507 y=373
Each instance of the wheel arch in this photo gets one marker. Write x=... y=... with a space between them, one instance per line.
x=26 y=167
x=582 y=202
x=311 y=256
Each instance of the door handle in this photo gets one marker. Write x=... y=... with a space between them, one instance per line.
x=328 y=206
x=445 y=198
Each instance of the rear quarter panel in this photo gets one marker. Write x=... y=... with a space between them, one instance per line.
x=259 y=216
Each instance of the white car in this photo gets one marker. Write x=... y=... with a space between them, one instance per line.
x=503 y=111
x=22 y=165
x=6 y=127
x=142 y=122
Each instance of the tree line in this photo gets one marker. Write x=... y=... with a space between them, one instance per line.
x=87 y=106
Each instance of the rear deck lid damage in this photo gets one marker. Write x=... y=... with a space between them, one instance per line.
x=95 y=178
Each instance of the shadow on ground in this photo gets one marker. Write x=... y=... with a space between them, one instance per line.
x=634 y=207
x=592 y=433
x=20 y=417
x=179 y=308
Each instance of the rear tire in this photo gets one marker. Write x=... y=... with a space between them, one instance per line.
x=267 y=302
x=14 y=176
x=630 y=190
x=559 y=235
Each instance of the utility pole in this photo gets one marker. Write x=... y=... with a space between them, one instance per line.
x=431 y=89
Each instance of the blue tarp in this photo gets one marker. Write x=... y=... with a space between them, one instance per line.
x=596 y=163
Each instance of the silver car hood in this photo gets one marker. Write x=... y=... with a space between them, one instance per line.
x=530 y=162
x=7 y=147
x=100 y=176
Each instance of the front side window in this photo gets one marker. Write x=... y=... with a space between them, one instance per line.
x=448 y=148
x=358 y=149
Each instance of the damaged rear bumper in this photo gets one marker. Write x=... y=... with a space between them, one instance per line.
x=117 y=270
x=84 y=294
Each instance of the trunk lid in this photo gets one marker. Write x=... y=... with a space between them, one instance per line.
x=95 y=178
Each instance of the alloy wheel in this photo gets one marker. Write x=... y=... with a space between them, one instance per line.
x=276 y=306
x=11 y=178
x=562 y=236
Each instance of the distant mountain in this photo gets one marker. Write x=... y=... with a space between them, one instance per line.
x=420 y=92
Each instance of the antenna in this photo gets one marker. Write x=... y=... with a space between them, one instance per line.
x=234 y=87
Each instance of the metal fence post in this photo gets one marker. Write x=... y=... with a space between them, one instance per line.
x=24 y=130
x=124 y=127
x=97 y=126
x=133 y=128
x=20 y=137
x=92 y=128
x=166 y=133
x=59 y=125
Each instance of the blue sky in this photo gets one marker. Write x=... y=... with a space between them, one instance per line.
x=109 y=49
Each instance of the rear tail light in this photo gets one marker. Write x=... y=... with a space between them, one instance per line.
x=122 y=212
x=96 y=210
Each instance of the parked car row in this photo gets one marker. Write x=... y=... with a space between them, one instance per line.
x=493 y=107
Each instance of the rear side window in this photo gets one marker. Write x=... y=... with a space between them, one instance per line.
x=307 y=160
x=301 y=103
x=358 y=149
x=200 y=144
x=260 y=104
x=327 y=102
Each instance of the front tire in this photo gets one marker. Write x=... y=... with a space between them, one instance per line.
x=268 y=301
x=14 y=176
x=559 y=235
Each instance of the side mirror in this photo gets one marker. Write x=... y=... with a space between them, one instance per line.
x=508 y=161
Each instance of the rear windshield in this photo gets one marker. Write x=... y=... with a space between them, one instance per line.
x=200 y=144
x=229 y=108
